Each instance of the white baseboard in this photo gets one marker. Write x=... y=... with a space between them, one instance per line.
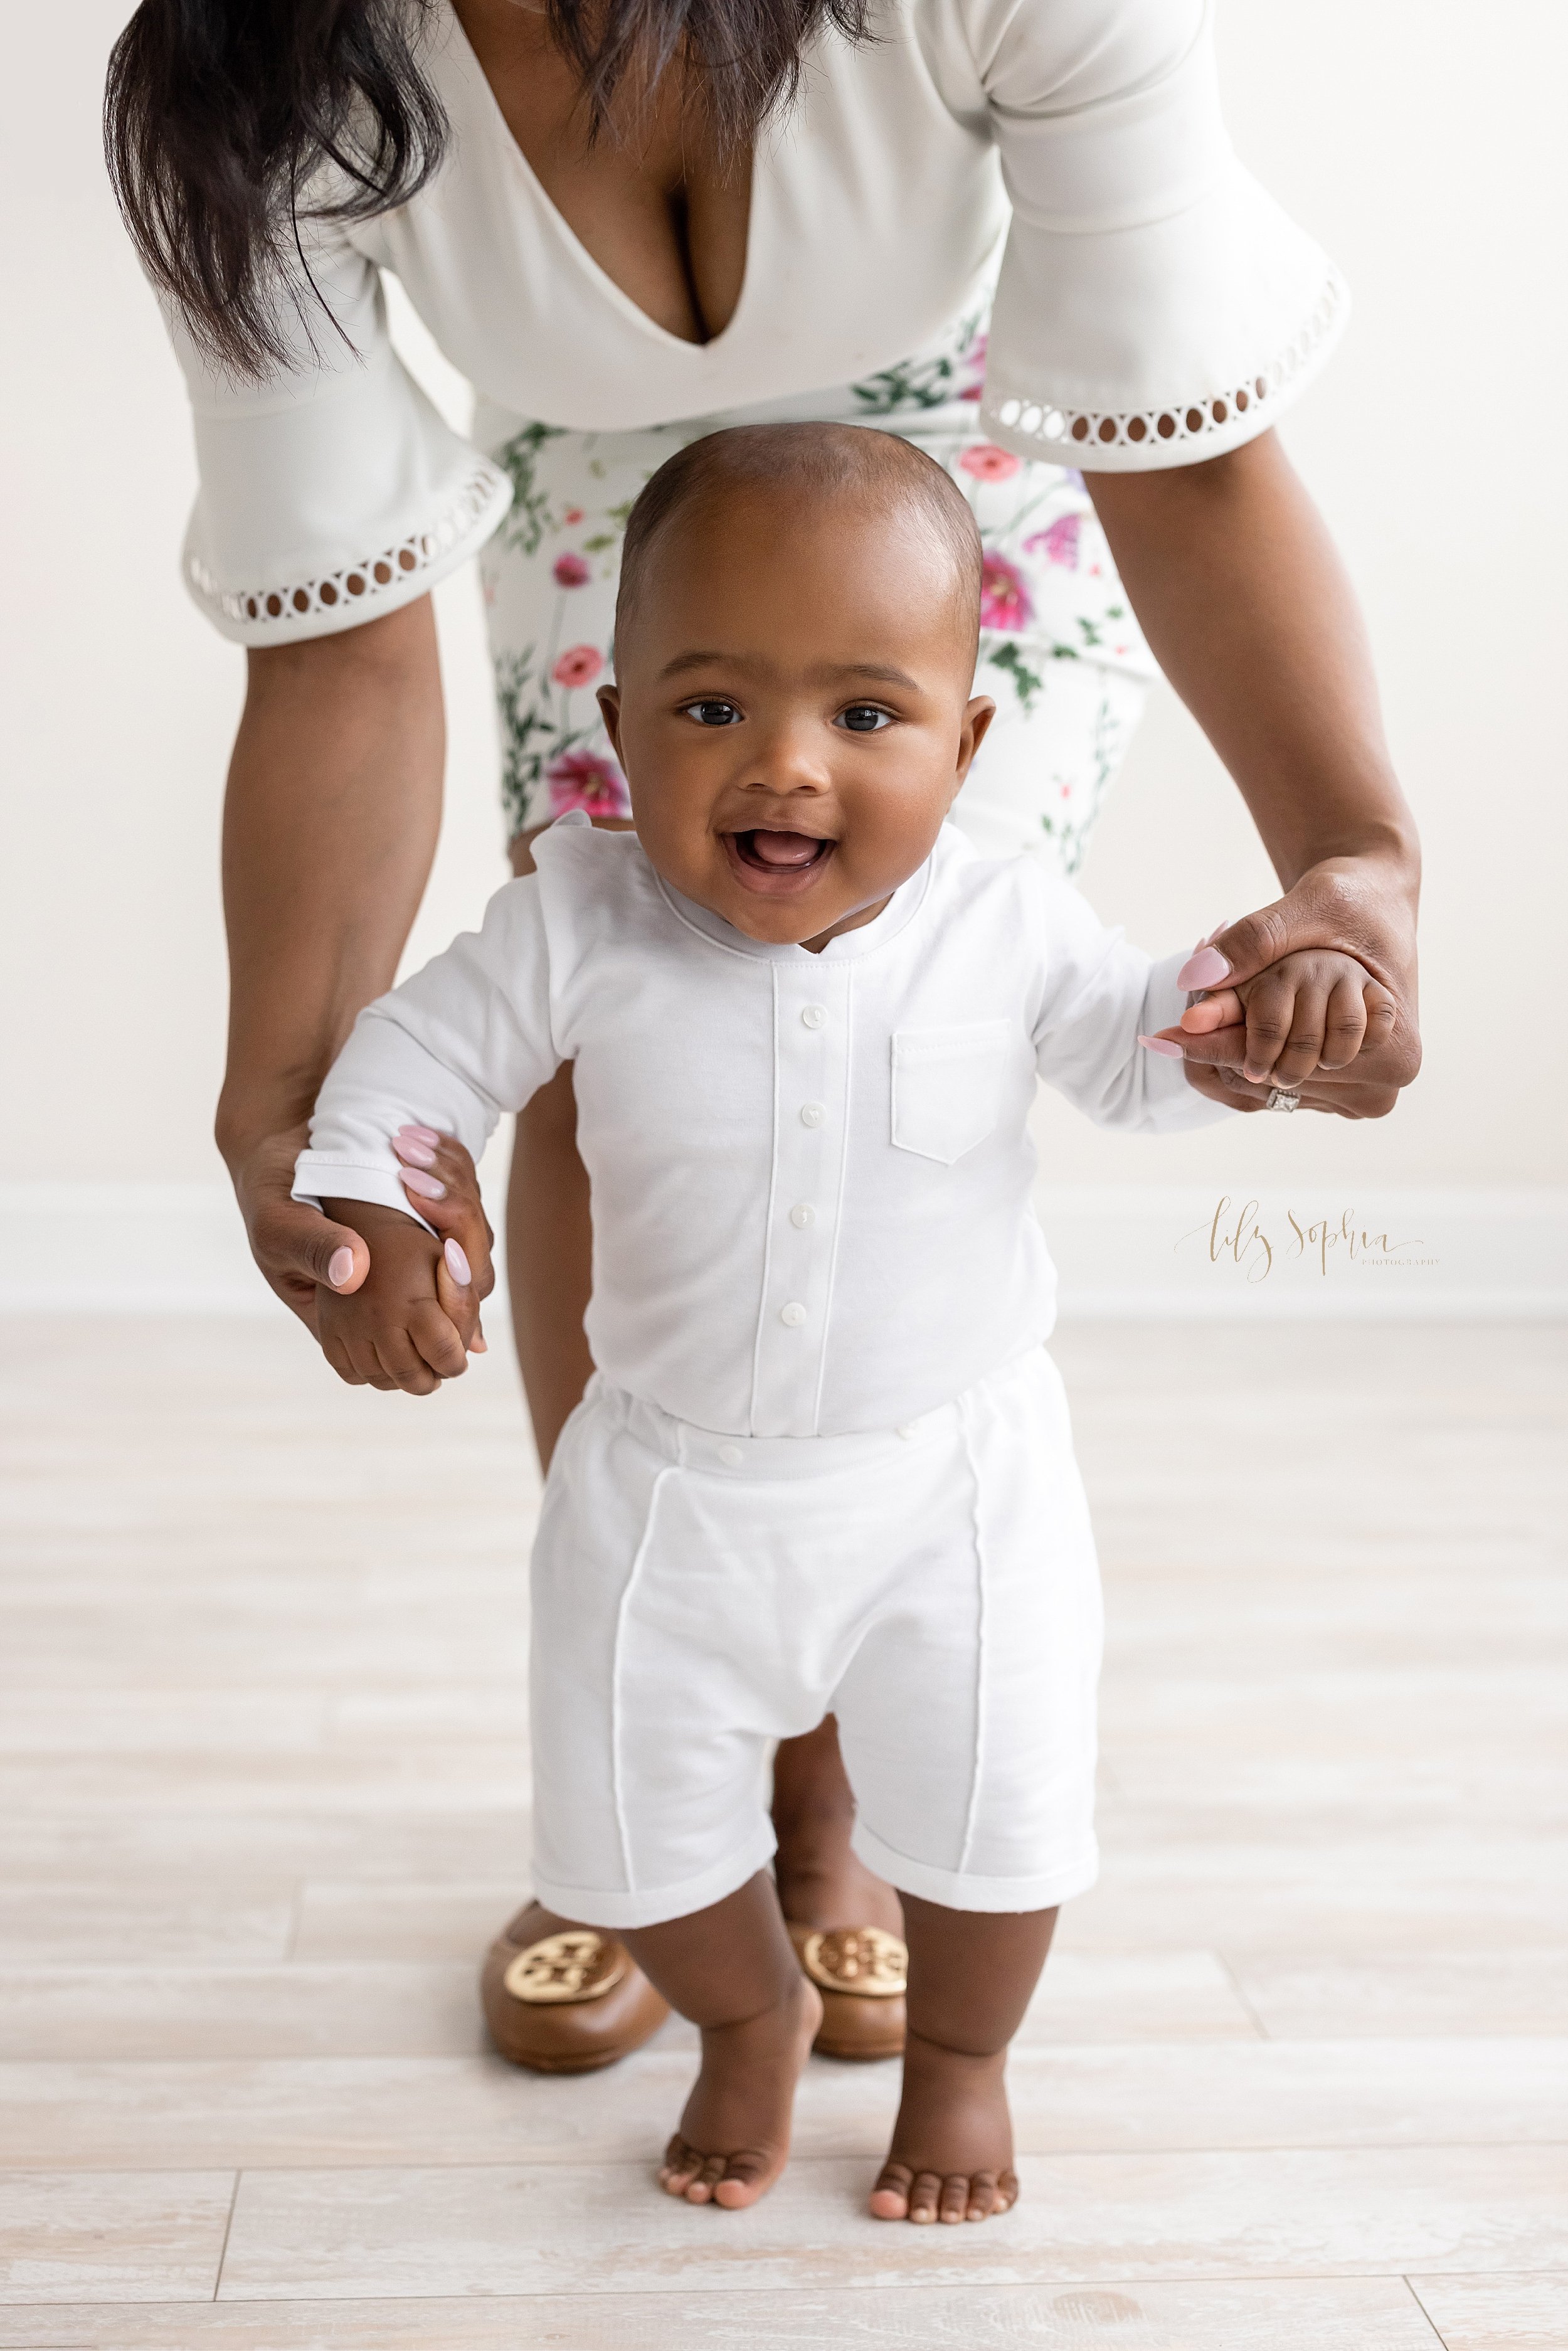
x=1126 y=1253
x=127 y=1249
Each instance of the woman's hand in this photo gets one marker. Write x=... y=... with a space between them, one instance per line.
x=398 y=1330
x=303 y=1253
x=1351 y=904
x=444 y=1187
x=1249 y=614
x=333 y=807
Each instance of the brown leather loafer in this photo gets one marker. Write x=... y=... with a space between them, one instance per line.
x=564 y=2000
x=863 y=1974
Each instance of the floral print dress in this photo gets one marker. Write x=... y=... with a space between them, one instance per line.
x=1061 y=654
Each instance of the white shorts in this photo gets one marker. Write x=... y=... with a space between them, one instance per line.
x=698 y=1598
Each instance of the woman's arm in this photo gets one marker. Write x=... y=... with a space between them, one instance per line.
x=334 y=803
x=1249 y=614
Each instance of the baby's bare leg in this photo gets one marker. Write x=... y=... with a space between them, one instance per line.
x=731 y=1969
x=970 y=1976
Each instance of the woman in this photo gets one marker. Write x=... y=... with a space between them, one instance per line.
x=1014 y=233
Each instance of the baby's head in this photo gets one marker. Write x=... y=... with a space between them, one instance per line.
x=795 y=646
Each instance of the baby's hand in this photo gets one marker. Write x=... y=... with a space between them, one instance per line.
x=393 y=1331
x=1312 y=1010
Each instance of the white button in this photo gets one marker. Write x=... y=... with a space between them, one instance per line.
x=731 y=1456
x=905 y=1428
x=813 y=1015
x=794 y=1314
x=801 y=1214
x=812 y=1114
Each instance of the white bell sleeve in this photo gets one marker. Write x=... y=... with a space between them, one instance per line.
x=464 y=1039
x=1098 y=996
x=1155 y=306
x=331 y=492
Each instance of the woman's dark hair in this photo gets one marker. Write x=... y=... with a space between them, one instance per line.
x=218 y=111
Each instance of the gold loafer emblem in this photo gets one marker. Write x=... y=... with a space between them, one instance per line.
x=866 y=1961
x=575 y=1966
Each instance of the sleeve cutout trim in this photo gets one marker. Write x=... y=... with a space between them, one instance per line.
x=336 y=599
x=1131 y=438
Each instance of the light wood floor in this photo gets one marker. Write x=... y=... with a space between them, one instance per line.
x=1298 y=2077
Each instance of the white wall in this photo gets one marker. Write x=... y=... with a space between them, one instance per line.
x=1422 y=142
x=1418 y=140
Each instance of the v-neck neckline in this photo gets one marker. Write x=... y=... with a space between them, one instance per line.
x=594 y=271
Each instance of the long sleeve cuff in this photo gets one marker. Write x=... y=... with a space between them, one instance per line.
x=1175 y=1104
x=325 y=1176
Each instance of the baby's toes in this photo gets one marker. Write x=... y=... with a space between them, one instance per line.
x=701 y=2189
x=890 y=2196
x=926 y=2196
x=745 y=2177
x=680 y=2166
x=984 y=2198
x=956 y=2199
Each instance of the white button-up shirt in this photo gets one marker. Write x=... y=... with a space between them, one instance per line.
x=811 y=1174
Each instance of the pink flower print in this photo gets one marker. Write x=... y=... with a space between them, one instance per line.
x=581 y=779
x=571 y=571
x=1004 y=599
x=572 y=515
x=578 y=666
x=989 y=464
x=1059 y=544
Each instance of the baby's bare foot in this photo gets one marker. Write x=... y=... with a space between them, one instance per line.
x=734 y=2133
x=952 y=2152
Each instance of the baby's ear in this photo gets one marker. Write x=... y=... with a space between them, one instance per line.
x=609 y=700
x=978 y=718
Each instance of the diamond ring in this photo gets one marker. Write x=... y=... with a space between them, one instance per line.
x=1283 y=1098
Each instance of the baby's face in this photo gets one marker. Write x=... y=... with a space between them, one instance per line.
x=792 y=710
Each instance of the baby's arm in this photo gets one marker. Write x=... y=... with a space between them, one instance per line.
x=393 y=1331
x=1314 y=1009
x=1099 y=997
x=465 y=1039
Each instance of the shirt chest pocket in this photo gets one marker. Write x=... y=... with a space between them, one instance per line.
x=947 y=1087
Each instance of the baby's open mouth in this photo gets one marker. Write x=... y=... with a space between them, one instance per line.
x=781 y=853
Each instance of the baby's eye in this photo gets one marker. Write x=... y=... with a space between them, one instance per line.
x=713 y=712
x=864 y=718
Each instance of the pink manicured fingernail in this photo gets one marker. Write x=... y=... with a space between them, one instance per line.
x=427 y=1187
x=1163 y=1045
x=339 y=1266
x=421 y=1134
x=418 y=1155
x=1206 y=969
x=457 y=1264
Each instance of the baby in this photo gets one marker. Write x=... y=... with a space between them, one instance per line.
x=824 y=1465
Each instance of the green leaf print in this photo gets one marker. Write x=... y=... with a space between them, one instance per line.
x=530 y=514
x=1026 y=681
x=529 y=736
x=920 y=383
x=1071 y=833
